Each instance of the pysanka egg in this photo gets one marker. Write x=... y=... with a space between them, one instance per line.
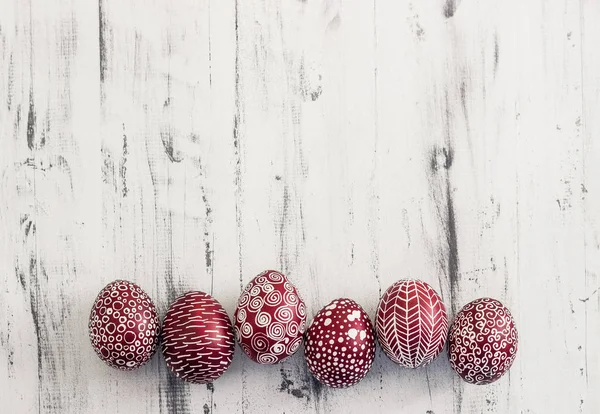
x=412 y=325
x=124 y=325
x=483 y=340
x=270 y=318
x=197 y=338
x=340 y=344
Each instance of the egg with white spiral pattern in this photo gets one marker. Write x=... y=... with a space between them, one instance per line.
x=270 y=318
x=124 y=325
x=483 y=341
x=340 y=344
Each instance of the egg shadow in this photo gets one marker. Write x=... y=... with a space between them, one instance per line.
x=434 y=377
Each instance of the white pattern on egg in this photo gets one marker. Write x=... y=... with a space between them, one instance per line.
x=353 y=315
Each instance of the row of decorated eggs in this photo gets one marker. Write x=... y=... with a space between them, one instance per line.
x=270 y=325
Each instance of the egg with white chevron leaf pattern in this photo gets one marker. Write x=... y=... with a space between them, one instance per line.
x=411 y=325
x=198 y=343
x=270 y=318
x=483 y=341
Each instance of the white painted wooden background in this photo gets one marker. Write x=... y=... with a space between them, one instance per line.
x=191 y=144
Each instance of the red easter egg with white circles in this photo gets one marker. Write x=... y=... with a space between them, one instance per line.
x=340 y=344
x=412 y=324
x=124 y=325
x=197 y=338
x=270 y=318
x=483 y=341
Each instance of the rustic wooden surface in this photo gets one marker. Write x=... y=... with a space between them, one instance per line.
x=191 y=144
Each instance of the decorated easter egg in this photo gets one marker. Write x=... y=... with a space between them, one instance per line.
x=197 y=338
x=124 y=325
x=411 y=324
x=270 y=318
x=483 y=340
x=340 y=344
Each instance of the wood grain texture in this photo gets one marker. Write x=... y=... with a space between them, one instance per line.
x=190 y=145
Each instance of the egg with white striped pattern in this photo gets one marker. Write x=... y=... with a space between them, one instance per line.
x=198 y=344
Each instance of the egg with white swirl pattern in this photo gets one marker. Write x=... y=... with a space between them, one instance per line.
x=270 y=318
x=483 y=340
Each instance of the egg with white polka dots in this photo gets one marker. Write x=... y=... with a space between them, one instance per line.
x=339 y=346
x=124 y=325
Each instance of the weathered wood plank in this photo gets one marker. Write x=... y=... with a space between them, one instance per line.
x=48 y=137
x=550 y=212
x=270 y=175
x=19 y=342
x=427 y=62
x=587 y=300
